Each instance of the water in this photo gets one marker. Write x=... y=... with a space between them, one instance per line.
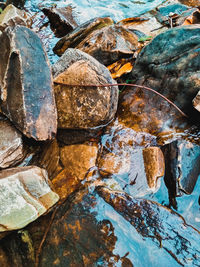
x=87 y=9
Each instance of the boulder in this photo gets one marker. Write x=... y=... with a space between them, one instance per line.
x=11 y=16
x=170 y=65
x=11 y=145
x=62 y=20
x=80 y=33
x=182 y=159
x=87 y=106
x=25 y=195
x=26 y=84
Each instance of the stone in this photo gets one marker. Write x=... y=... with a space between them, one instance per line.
x=110 y=44
x=26 y=84
x=182 y=159
x=18 y=3
x=194 y=3
x=79 y=159
x=11 y=145
x=83 y=107
x=11 y=16
x=80 y=33
x=170 y=65
x=153 y=221
x=25 y=195
x=62 y=20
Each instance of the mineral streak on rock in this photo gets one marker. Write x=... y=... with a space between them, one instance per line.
x=24 y=196
x=152 y=220
x=26 y=84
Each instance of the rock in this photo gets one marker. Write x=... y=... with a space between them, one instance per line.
x=25 y=195
x=79 y=159
x=110 y=44
x=194 y=3
x=80 y=33
x=154 y=165
x=17 y=3
x=170 y=64
x=70 y=136
x=48 y=157
x=11 y=16
x=154 y=221
x=182 y=159
x=61 y=20
x=26 y=84
x=83 y=107
x=11 y=145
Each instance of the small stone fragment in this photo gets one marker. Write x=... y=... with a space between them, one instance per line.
x=62 y=20
x=24 y=196
x=11 y=145
x=83 y=107
x=11 y=16
x=26 y=84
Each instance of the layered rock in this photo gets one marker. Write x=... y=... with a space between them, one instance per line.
x=11 y=16
x=25 y=195
x=170 y=64
x=26 y=84
x=86 y=105
x=11 y=145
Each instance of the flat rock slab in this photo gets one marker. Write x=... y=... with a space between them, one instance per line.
x=11 y=145
x=170 y=64
x=26 y=84
x=83 y=107
x=24 y=196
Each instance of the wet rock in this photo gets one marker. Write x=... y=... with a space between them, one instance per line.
x=80 y=33
x=11 y=145
x=62 y=20
x=154 y=164
x=48 y=157
x=110 y=44
x=170 y=64
x=11 y=16
x=151 y=220
x=88 y=106
x=70 y=136
x=190 y=2
x=17 y=3
x=79 y=159
x=182 y=159
x=25 y=195
x=26 y=84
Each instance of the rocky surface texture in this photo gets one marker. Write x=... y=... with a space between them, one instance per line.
x=26 y=84
x=118 y=185
x=83 y=107
x=169 y=64
x=25 y=195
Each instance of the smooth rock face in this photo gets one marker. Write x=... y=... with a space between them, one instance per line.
x=24 y=196
x=170 y=64
x=182 y=166
x=61 y=20
x=11 y=16
x=110 y=44
x=83 y=107
x=26 y=84
x=11 y=145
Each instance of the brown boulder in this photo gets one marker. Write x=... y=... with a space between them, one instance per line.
x=83 y=107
